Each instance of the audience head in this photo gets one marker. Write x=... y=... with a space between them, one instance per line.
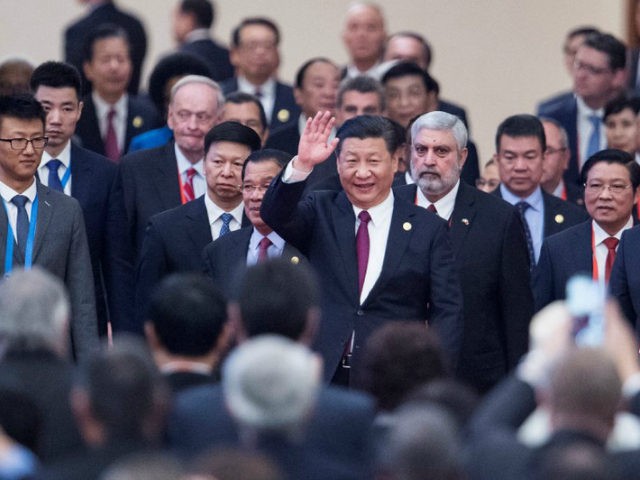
x=610 y=179
x=399 y=357
x=144 y=466
x=359 y=95
x=258 y=170
x=58 y=86
x=270 y=384
x=364 y=34
x=578 y=460
x=621 y=124
x=254 y=49
x=489 y=178
x=438 y=153
x=458 y=399
x=410 y=91
x=316 y=86
x=20 y=420
x=166 y=74
x=573 y=40
x=34 y=313
x=227 y=146
x=277 y=297
x=190 y=15
x=234 y=464
x=367 y=156
x=107 y=61
x=556 y=156
x=246 y=109
x=194 y=109
x=14 y=76
x=409 y=47
x=520 y=147
x=187 y=316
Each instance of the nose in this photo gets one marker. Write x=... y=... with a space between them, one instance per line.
x=257 y=194
x=226 y=169
x=53 y=116
x=29 y=150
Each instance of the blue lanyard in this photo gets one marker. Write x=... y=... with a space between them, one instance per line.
x=28 y=251
x=66 y=177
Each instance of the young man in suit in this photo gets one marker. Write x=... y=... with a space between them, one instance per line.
x=611 y=180
x=250 y=245
x=174 y=240
x=255 y=56
x=381 y=274
x=87 y=177
x=520 y=147
x=111 y=117
x=40 y=226
x=489 y=246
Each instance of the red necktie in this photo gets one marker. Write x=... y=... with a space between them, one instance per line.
x=432 y=208
x=611 y=243
x=111 y=149
x=362 y=247
x=187 y=185
x=263 y=247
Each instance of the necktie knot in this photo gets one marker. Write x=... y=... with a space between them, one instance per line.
x=190 y=173
x=611 y=243
x=54 y=164
x=522 y=207
x=364 y=216
x=19 y=201
x=111 y=114
x=263 y=248
x=595 y=121
x=432 y=208
x=54 y=179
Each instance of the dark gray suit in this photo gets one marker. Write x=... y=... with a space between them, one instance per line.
x=60 y=247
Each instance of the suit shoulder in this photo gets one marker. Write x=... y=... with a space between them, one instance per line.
x=563 y=239
x=168 y=218
x=143 y=157
x=59 y=199
x=98 y=161
x=632 y=234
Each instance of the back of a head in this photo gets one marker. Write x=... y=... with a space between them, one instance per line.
x=399 y=357
x=277 y=297
x=234 y=132
x=14 y=76
x=574 y=461
x=271 y=383
x=34 y=312
x=188 y=314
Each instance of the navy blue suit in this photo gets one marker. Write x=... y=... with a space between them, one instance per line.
x=141 y=116
x=491 y=255
x=418 y=279
x=625 y=276
x=285 y=108
x=215 y=56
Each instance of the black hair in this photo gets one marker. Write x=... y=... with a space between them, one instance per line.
x=265 y=22
x=427 y=52
x=56 y=75
x=202 y=10
x=23 y=106
x=104 y=31
x=369 y=126
x=613 y=48
x=239 y=98
x=522 y=125
x=610 y=156
x=619 y=104
x=404 y=69
x=302 y=71
x=232 y=132
x=267 y=155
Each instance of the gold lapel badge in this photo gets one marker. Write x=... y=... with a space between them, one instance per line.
x=295 y=260
x=559 y=218
x=407 y=226
x=465 y=221
x=137 y=121
x=283 y=115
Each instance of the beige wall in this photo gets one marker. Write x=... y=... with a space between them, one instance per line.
x=496 y=57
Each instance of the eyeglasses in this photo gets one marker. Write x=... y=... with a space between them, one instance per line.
x=595 y=188
x=481 y=182
x=37 y=143
x=249 y=189
x=590 y=68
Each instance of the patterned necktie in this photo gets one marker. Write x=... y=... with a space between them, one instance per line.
x=111 y=149
x=263 y=248
x=522 y=207
x=594 y=140
x=187 y=185
x=362 y=247
x=611 y=243
x=226 y=222
x=54 y=179
x=22 y=222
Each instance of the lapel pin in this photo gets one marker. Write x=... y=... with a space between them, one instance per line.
x=559 y=218
x=47 y=203
x=283 y=115
x=137 y=121
x=295 y=260
x=407 y=226
x=465 y=221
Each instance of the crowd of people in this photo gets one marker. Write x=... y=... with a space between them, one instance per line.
x=224 y=276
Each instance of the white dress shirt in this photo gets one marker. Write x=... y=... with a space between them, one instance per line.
x=199 y=182
x=445 y=205
x=7 y=193
x=214 y=212
x=274 y=250
x=65 y=158
x=585 y=128
x=267 y=93
x=534 y=215
x=601 y=249
x=119 y=119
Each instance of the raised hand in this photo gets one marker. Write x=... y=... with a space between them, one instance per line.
x=313 y=147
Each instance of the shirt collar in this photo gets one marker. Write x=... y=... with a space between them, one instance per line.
x=8 y=193
x=534 y=200
x=214 y=211
x=102 y=107
x=380 y=211
x=585 y=111
x=184 y=164
x=64 y=157
x=197 y=34
x=256 y=236
x=267 y=88
x=600 y=235
x=445 y=205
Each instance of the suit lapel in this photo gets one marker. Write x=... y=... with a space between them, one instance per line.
x=45 y=213
x=198 y=223
x=81 y=175
x=462 y=217
x=344 y=230
x=290 y=253
x=165 y=178
x=18 y=259
x=581 y=248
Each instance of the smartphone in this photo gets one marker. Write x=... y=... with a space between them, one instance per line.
x=585 y=301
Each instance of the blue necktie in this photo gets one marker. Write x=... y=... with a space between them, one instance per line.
x=22 y=223
x=54 y=178
x=226 y=221
x=522 y=207
x=594 y=139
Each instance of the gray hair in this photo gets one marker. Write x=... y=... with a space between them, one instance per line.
x=361 y=84
x=34 y=311
x=271 y=383
x=438 y=120
x=188 y=79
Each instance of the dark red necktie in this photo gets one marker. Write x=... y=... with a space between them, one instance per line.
x=432 y=208
x=611 y=243
x=362 y=246
x=263 y=248
x=187 y=185
x=110 y=139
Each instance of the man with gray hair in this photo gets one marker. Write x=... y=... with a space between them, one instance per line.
x=489 y=246
x=34 y=344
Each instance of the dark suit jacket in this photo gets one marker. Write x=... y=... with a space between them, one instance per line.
x=183 y=380
x=489 y=245
x=625 y=276
x=141 y=116
x=339 y=427
x=215 y=56
x=285 y=108
x=418 y=279
x=562 y=256
x=227 y=256
x=564 y=109
x=75 y=34
x=632 y=67
x=60 y=247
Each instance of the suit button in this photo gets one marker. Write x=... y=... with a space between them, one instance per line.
x=359 y=313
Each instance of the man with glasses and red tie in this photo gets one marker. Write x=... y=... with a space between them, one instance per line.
x=39 y=225
x=611 y=180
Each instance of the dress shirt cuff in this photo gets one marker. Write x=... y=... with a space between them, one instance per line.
x=294 y=175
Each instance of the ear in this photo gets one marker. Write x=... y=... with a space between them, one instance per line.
x=297 y=95
x=233 y=56
x=464 y=153
x=88 y=70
